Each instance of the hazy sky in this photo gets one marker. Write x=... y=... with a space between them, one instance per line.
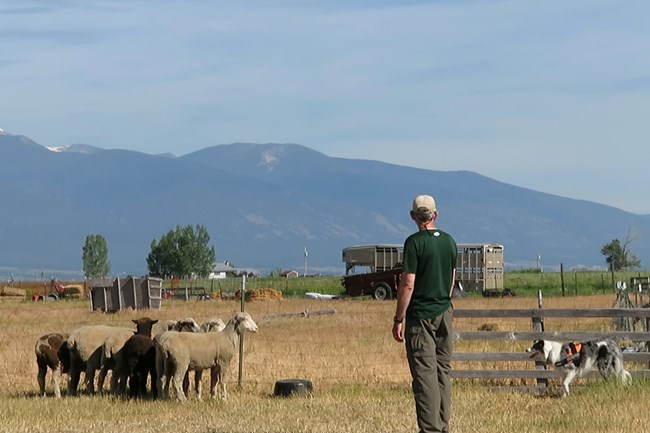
x=548 y=95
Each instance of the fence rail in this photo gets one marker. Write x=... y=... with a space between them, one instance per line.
x=537 y=316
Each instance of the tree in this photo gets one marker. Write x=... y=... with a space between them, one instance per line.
x=95 y=257
x=619 y=257
x=183 y=252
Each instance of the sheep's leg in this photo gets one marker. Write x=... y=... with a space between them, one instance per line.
x=197 y=383
x=142 y=377
x=121 y=384
x=177 y=378
x=166 y=379
x=154 y=383
x=224 y=392
x=103 y=372
x=160 y=375
x=186 y=383
x=73 y=382
x=223 y=373
x=56 y=380
x=42 y=371
x=163 y=386
x=90 y=378
x=134 y=385
x=119 y=378
x=136 y=382
x=214 y=381
x=122 y=373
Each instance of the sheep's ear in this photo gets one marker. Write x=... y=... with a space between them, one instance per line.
x=134 y=321
x=153 y=322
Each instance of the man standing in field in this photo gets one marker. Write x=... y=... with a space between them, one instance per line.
x=424 y=312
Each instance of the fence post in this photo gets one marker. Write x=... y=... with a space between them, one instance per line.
x=241 y=336
x=538 y=326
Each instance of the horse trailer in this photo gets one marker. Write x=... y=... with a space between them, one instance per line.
x=479 y=267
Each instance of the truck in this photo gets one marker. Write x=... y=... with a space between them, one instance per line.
x=383 y=263
x=479 y=267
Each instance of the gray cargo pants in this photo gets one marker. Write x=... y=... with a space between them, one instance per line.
x=428 y=349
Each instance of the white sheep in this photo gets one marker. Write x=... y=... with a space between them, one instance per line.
x=187 y=324
x=46 y=349
x=110 y=355
x=83 y=350
x=181 y=352
x=213 y=324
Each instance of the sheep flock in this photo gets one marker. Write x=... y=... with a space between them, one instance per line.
x=139 y=357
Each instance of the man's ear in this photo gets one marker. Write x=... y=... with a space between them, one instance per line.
x=412 y=215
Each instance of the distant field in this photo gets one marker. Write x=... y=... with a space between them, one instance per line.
x=524 y=283
x=360 y=377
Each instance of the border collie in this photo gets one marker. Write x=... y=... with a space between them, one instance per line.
x=576 y=359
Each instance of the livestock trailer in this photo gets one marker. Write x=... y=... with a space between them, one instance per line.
x=479 y=267
x=377 y=257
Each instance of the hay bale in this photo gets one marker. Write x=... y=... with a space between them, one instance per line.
x=488 y=327
x=13 y=291
x=73 y=290
x=229 y=296
x=260 y=294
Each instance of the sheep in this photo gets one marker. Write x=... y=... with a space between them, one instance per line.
x=187 y=324
x=46 y=349
x=213 y=324
x=138 y=362
x=117 y=356
x=181 y=352
x=82 y=351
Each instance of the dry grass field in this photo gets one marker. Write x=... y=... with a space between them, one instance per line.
x=361 y=381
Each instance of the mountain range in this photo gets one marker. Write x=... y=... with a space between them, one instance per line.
x=264 y=205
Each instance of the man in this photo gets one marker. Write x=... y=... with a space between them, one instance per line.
x=423 y=315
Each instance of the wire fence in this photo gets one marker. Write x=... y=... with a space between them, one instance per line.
x=332 y=342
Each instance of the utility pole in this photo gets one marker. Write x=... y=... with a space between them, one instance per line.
x=304 y=273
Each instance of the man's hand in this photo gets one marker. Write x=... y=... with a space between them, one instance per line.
x=398 y=332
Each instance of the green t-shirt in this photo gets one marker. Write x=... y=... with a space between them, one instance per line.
x=431 y=256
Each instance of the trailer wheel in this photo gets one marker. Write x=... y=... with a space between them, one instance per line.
x=382 y=291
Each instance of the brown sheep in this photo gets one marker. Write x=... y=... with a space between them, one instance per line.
x=139 y=361
x=46 y=349
x=136 y=359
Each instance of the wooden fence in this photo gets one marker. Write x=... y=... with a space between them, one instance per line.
x=540 y=373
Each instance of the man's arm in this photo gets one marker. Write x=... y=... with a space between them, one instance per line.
x=453 y=283
x=404 y=292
